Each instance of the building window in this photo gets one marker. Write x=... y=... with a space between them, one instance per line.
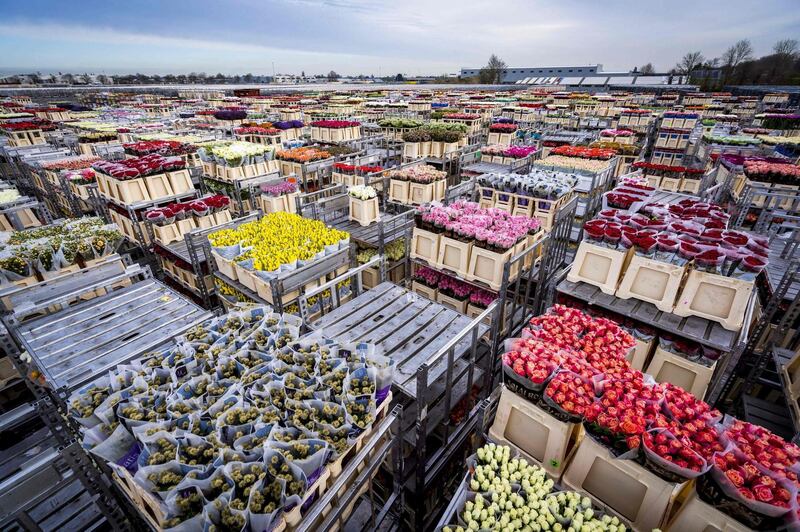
x=559 y=71
x=569 y=70
x=550 y=72
x=513 y=71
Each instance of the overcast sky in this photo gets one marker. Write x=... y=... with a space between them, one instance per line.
x=376 y=36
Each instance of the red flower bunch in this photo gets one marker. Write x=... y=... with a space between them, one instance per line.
x=571 y=393
x=620 y=415
x=335 y=124
x=77 y=162
x=353 y=169
x=762 y=446
x=749 y=481
x=679 y=451
x=684 y=407
x=166 y=148
x=533 y=360
x=584 y=152
x=666 y=170
x=139 y=167
x=28 y=125
x=503 y=128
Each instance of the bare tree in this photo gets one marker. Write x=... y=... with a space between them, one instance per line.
x=741 y=51
x=787 y=47
x=689 y=62
x=647 y=69
x=333 y=76
x=493 y=71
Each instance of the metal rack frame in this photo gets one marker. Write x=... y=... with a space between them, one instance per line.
x=50 y=381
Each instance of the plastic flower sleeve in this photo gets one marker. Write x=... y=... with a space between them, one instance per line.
x=255 y=440
x=119 y=450
x=266 y=503
x=384 y=375
x=15 y=264
x=218 y=515
x=361 y=382
x=157 y=447
x=568 y=395
x=212 y=485
x=739 y=488
x=338 y=438
x=310 y=455
x=361 y=411
x=195 y=451
x=85 y=401
x=161 y=478
x=659 y=443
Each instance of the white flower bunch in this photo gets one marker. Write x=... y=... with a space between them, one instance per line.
x=362 y=192
x=573 y=511
x=8 y=195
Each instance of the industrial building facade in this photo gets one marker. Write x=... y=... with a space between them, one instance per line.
x=512 y=75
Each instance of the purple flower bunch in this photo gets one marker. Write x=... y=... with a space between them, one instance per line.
x=455 y=287
x=230 y=115
x=503 y=120
x=279 y=189
x=467 y=221
x=288 y=124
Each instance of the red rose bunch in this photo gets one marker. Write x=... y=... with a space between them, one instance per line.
x=335 y=124
x=762 y=446
x=683 y=406
x=668 y=447
x=584 y=153
x=749 y=481
x=533 y=360
x=503 y=128
x=571 y=393
x=166 y=148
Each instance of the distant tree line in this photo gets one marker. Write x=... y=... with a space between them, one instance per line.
x=738 y=66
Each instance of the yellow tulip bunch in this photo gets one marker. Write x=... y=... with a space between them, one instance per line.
x=278 y=238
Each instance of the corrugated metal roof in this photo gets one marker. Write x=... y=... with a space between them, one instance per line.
x=595 y=80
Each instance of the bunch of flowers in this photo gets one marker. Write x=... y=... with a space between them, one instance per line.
x=456 y=288
x=539 y=183
x=665 y=170
x=362 y=192
x=772 y=172
x=518 y=152
x=230 y=115
x=199 y=207
x=575 y=163
x=167 y=148
x=461 y=116
x=351 y=169
x=732 y=140
x=400 y=123
x=492 y=229
x=418 y=174
x=27 y=125
x=288 y=124
x=139 y=166
x=780 y=121
x=76 y=162
x=89 y=137
x=279 y=239
x=256 y=130
x=8 y=195
x=303 y=155
x=221 y=445
x=81 y=177
x=676 y=114
x=583 y=152
x=335 y=124
x=755 y=131
x=280 y=189
x=482 y=298
x=236 y=153
x=502 y=128
x=428 y=276
x=616 y=133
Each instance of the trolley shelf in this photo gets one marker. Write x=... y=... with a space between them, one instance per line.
x=76 y=344
x=405 y=326
x=700 y=330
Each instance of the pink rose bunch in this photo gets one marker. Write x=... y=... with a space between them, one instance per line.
x=418 y=174
x=493 y=229
x=519 y=152
x=199 y=207
x=71 y=163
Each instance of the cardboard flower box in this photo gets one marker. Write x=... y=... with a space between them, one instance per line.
x=653 y=281
x=398 y=191
x=599 y=266
x=158 y=186
x=180 y=181
x=624 y=487
x=225 y=266
x=695 y=515
x=539 y=437
x=425 y=246
x=487 y=266
x=419 y=193
x=639 y=356
x=691 y=376
x=425 y=291
x=364 y=212
x=452 y=303
x=454 y=255
x=716 y=298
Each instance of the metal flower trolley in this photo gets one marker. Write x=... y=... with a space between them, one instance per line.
x=59 y=341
